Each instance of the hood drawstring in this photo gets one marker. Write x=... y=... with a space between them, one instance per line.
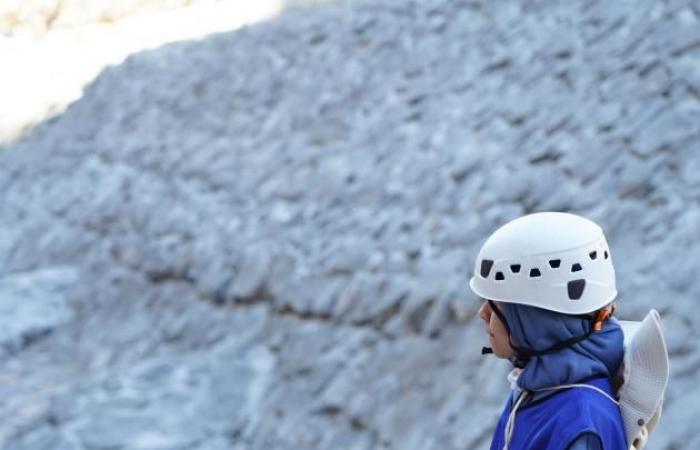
x=510 y=425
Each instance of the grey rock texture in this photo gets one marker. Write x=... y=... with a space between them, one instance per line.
x=32 y=305
x=269 y=232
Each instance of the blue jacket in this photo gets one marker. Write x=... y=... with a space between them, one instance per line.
x=558 y=420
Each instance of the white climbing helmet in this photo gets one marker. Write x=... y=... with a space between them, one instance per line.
x=552 y=260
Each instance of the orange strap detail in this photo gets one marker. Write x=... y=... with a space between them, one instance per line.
x=603 y=315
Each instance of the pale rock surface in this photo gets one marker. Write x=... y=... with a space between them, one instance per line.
x=269 y=232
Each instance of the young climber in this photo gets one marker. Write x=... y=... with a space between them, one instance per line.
x=548 y=282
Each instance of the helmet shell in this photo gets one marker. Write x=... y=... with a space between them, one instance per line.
x=552 y=260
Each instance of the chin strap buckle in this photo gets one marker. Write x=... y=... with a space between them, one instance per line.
x=603 y=315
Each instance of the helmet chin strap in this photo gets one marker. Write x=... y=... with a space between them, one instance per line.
x=522 y=355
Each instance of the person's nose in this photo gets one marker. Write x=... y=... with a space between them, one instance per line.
x=485 y=312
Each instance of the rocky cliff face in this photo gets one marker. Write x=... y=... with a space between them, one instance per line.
x=261 y=240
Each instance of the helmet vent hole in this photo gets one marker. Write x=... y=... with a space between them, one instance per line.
x=575 y=289
x=534 y=272
x=554 y=263
x=499 y=276
x=515 y=268
x=486 y=267
x=593 y=254
x=605 y=254
x=576 y=267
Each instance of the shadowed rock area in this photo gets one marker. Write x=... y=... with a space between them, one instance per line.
x=262 y=240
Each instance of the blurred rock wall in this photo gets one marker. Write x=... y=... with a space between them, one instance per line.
x=262 y=240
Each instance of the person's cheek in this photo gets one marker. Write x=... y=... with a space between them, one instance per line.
x=493 y=326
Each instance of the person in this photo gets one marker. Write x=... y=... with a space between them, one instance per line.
x=548 y=286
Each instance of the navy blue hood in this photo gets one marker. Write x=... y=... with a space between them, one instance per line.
x=536 y=330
